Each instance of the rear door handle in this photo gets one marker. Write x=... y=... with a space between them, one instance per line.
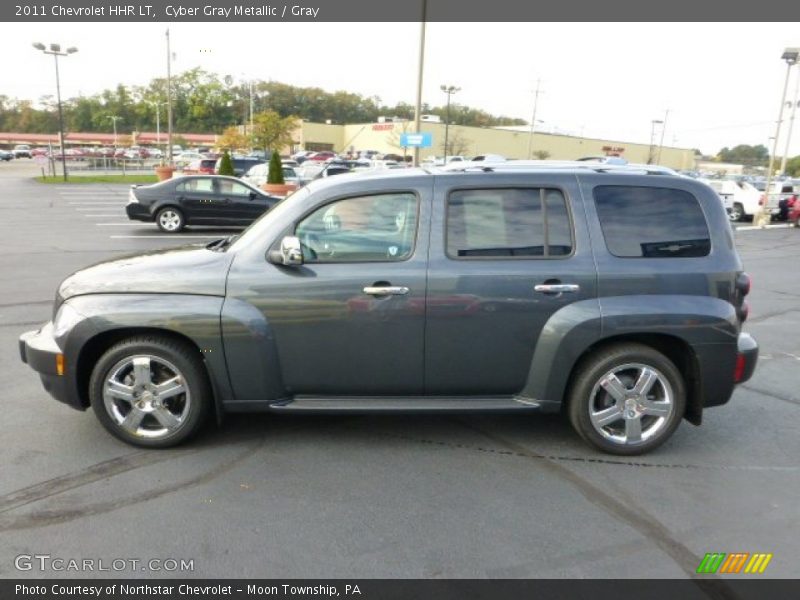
x=556 y=288
x=386 y=290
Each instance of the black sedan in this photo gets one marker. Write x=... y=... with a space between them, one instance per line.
x=197 y=200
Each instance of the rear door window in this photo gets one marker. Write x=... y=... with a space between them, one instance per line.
x=651 y=222
x=508 y=223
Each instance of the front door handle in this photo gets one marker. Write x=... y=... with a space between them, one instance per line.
x=556 y=288
x=386 y=290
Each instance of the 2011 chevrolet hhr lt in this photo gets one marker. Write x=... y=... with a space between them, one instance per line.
x=611 y=293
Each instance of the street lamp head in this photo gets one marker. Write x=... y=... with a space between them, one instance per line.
x=55 y=47
x=790 y=55
x=39 y=46
x=72 y=50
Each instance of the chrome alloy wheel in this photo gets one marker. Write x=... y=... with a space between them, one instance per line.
x=169 y=220
x=631 y=404
x=146 y=396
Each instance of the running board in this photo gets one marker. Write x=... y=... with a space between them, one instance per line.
x=404 y=404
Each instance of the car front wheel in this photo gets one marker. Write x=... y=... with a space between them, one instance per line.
x=170 y=219
x=150 y=391
x=627 y=399
x=737 y=212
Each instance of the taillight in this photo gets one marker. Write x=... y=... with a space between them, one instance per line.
x=738 y=371
x=743 y=283
x=744 y=311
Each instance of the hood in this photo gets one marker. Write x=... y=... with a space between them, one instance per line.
x=184 y=270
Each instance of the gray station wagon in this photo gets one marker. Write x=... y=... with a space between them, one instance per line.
x=611 y=293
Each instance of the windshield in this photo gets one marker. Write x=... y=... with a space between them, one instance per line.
x=257 y=227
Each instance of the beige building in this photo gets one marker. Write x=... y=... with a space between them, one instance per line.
x=471 y=141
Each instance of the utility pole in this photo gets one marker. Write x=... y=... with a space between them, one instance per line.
x=663 y=129
x=420 y=68
x=169 y=102
x=533 y=117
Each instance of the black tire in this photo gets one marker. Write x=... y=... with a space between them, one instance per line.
x=120 y=393
x=737 y=212
x=590 y=402
x=170 y=219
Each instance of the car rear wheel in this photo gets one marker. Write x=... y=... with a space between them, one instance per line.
x=150 y=391
x=170 y=219
x=627 y=399
x=737 y=212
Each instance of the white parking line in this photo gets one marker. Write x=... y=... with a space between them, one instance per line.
x=166 y=235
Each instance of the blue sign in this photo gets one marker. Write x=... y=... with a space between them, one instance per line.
x=423 y=140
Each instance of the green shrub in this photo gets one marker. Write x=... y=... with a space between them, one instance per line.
x=275 y=174
x=225 y=165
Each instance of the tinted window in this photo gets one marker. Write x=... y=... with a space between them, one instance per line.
x=366 y=228
x=651 y=222
x=508 y=223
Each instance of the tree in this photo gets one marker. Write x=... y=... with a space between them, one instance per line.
x=793 y=166
x=457 y=144
x=272 y=132
x=744 y=154
x=275 y=173
x=233 y=139
x=225 y=165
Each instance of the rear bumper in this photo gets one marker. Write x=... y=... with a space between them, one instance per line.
x=39 y=350
x=746 y=358
x=137 y=212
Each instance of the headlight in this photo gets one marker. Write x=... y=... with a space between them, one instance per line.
x=65 y=320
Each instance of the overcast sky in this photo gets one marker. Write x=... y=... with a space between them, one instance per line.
x=721 y=82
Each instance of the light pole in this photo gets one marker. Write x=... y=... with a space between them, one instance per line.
x=790 y=56
x=55 y=50
x=793 y=104
x=157 y=104
x=114 y=119
x=449 y=90
x=652 y=152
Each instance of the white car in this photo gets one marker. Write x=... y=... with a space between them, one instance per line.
x=741 y=199
x=257 y=175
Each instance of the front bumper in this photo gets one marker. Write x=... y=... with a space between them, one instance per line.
x=38 y=349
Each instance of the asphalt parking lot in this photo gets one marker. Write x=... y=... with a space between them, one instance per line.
x=363 y=497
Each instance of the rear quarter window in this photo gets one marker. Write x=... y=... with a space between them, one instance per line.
x=651 y=222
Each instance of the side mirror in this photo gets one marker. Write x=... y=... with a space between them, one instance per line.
x=290 y=254
x=253 y=195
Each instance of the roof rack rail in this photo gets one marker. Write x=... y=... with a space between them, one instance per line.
x=512 y=165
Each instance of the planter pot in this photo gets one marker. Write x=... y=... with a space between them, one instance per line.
x=279 y=189
x=164 y=172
